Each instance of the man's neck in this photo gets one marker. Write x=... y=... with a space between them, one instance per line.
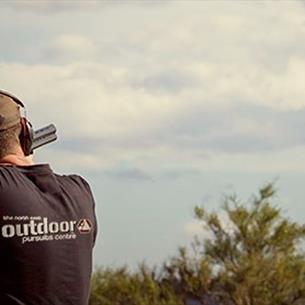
x=17 y=159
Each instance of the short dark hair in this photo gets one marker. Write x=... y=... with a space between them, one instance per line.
x=9 y=139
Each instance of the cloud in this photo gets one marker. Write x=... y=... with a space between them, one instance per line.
x=174 y=174
x=55 y=7
x=193 y=228
x=167 y=94
x=69 y=161
x=164 y=81
x=52 y=6
x=198 y=228
x=129 y=174
x=70 y=48
x=99 y=112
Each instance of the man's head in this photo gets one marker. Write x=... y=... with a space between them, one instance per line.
x=10 y=126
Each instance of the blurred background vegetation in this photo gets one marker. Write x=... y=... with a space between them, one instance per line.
x=252 y=256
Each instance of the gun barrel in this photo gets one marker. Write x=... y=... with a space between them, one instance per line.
x=44 y=136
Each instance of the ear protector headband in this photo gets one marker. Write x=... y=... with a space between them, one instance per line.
x=26 y=136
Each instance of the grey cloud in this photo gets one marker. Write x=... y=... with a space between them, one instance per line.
x=82 y=145
x=53 y=6
x=225 y=130
x=204 y=129
x=149 y=52
x=176 y=174
x=132 y=38
x=132 y=174
x=171 y=81
x=283 y=129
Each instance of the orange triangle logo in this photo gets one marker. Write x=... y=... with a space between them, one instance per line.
x=84 y=226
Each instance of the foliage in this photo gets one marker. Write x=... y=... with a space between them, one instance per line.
x=121 y=287
x=256 y=252
x=189 y=273
x=253 y=256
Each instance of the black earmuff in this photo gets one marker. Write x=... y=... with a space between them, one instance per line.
x=27 y=133
x=26 y=136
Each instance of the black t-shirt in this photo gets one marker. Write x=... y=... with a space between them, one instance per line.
x=47 y=232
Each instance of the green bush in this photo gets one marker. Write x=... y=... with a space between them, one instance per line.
x=121 y=287
x=252 y=257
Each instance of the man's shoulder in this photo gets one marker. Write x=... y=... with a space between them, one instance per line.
x=6 y=169
x=73 y=178
x=39 y=173
x=74 y=181
x=8 y=176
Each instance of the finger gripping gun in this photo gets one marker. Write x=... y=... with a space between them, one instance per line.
x=43 y=136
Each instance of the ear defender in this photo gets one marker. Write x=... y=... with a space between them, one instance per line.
x=26 y=136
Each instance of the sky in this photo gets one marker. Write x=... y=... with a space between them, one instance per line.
x=161 y=106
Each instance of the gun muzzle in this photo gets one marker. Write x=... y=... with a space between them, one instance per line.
x=43 y=136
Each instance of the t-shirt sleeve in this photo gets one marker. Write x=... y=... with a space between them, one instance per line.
x=86 y=187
